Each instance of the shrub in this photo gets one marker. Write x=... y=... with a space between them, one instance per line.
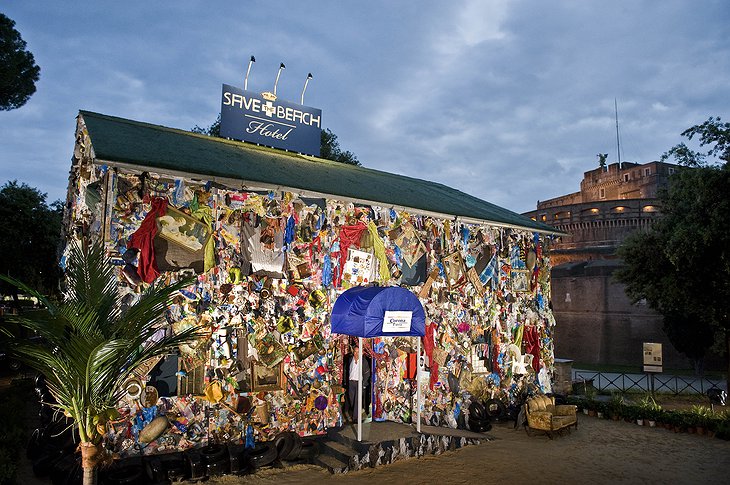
x=722 y=426
x=616 y=405
x=648 y=408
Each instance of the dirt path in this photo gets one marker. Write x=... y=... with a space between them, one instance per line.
x=600 y=451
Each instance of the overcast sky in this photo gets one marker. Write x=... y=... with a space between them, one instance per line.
x=509 y=101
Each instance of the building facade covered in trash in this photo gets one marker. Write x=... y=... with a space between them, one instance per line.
x=273 y=238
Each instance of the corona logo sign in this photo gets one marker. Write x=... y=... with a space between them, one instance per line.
x=266 y=120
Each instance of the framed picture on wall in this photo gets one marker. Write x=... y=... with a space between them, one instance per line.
x=183 y=230
x=265 y=378
x=520 y=280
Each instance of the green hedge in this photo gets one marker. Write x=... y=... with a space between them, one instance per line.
x=647 y=408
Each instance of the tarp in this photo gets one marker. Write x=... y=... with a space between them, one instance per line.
x=378 y=311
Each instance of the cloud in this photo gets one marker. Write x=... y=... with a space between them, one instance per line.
x=507 y=100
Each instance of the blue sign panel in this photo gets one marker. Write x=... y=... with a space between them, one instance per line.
x=266 y=120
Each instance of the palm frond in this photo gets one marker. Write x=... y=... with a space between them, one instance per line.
x=29 y=291
x=90 y=277
x=150 y=308
x=91 y=345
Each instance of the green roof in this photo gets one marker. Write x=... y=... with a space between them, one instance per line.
x=148 y=147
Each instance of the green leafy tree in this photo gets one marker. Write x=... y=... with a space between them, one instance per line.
x=329 y=147
x=91 y=343
x=18 y=71
x=681 y=266
x=213 y=130
x=29 y=241
x=712 y=132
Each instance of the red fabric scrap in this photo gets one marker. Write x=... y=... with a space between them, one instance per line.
x=428 y=349
x=143 y=238
x=531 y=339
x=349 y=236
x=411 y=365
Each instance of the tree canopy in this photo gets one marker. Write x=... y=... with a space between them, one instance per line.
x=18 y=71
x=330 y=149
x=329 y=145
x=29 y=241
x=681 y=265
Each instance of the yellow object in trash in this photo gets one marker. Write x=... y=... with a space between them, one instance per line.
x=214 y=392
x=153 y=430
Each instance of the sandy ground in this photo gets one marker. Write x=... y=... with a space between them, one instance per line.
x=600 y=451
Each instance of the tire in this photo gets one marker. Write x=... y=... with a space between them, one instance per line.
x=496 y=410
x=155 y=471
x=479 y=425
x=238 y=457
x=161 y=468
x=194 y=465
x=477 y=411
x=296 y=449
x=309 y=450
x=212 y=452
x=262 y=454
x=215 y=460
x=284 y=442
x=125 y=475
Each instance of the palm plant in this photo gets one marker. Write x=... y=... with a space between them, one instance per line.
x=649 y=407
x=90 y=343
x=616 y=404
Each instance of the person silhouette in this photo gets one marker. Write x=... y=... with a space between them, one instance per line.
x=351 y=377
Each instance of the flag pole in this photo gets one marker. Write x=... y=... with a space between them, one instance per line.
x=359 y=390
x=418 y=385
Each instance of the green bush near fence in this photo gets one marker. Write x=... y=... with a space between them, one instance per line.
x=646 y=408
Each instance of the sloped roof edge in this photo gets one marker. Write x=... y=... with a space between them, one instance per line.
x=145 y=146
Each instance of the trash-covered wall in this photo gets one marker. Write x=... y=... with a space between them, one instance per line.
x=269 y=266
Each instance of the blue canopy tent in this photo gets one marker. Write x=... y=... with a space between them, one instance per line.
x=379 y=311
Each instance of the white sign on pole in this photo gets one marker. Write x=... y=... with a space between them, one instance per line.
x=397 y=321
x=652 y=357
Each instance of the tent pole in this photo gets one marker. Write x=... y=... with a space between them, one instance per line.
x=418 y=385
x=359 y=390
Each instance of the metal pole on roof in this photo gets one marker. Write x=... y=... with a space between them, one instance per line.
x=248 y=71
x=359 y=389
x=309 y=76
x=418 y=385
x=281 y=68
x=618 y=139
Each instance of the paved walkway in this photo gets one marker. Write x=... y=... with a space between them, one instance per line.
x=600 y=451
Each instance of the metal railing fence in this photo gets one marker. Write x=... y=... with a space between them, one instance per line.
x=618 y=381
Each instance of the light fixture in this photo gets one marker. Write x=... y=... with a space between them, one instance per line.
x=309 y=76
x=281 y=68
x=245 y=81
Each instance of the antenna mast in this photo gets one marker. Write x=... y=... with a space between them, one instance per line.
x=618 y=139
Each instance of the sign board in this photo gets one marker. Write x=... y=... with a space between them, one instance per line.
x=397 y=321
x=652 y=357
x=264 y=119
